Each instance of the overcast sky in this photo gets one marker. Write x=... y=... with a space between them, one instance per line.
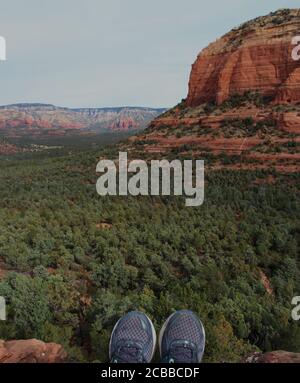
x=96 y=53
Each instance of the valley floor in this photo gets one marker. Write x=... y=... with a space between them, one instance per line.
x=71 y=262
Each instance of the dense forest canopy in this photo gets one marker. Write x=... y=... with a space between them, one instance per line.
x=72 y=262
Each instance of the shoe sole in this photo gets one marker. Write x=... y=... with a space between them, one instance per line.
x=153 y=335
x=161 y=334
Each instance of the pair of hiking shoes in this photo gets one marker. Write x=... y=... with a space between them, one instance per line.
x=181 y=339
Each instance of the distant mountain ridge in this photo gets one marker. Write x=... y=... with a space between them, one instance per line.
x=45 y=119
x=39 y=106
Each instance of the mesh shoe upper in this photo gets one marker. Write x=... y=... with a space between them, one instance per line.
x=182 y=338
x=133 y=339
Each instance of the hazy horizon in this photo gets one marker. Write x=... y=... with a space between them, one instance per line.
x=78 y=107
x=112 y=53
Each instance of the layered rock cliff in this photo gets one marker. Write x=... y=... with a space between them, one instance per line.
x=257 y=56
x=243 y=106
x=47 y=120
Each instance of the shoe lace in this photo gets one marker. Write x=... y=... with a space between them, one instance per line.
x=182 y=353
x=128 y=353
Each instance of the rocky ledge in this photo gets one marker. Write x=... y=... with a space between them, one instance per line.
x=274 y=357
x=31 y=351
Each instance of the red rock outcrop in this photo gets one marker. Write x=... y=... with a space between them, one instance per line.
x=274 y=357
x=251 y=68
x=257 y=56
x=31 y=351
x=7 y=149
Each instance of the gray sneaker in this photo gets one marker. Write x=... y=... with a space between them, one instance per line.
x=182 y=338
x=133 y=339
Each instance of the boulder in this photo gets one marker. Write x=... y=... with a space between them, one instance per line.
x=31 y=351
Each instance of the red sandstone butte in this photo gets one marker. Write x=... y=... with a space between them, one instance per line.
x=31 y=351
x=257 y=56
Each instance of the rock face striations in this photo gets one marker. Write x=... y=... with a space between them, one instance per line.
x=243 y=105
x=48 y=120
x=257 y=56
